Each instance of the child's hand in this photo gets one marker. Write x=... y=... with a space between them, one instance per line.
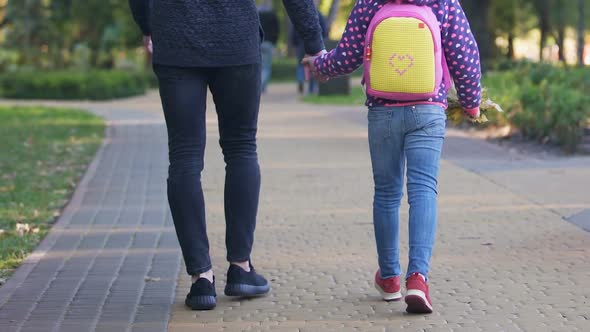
x=473 y=113
x=309 y=62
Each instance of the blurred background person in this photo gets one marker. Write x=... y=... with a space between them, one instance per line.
x=270 y=26
x=298 y=43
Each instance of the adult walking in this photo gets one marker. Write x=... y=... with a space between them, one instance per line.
x=215 y=44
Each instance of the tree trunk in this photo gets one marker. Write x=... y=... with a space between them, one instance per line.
x=3 y=23
x=27 y=43
x=333 y=13
x=510 y=55
x=581 y=32
x=94 y=57
x=57 y=54
x=544 y=26
x=561 y=44
x=480 y=14
x=561 y=36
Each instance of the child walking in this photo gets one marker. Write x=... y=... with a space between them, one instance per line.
x=412 y=50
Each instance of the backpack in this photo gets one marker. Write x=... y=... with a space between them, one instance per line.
x=404 y=58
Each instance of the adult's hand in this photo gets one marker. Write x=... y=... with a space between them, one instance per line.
x=148 y=45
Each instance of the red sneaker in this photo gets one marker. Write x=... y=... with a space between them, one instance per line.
x=418 y=297
x=390 y=288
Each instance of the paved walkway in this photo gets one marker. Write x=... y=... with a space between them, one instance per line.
x=506 y=258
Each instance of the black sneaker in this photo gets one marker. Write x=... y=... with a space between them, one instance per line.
x=202 y=295
x=245 y=284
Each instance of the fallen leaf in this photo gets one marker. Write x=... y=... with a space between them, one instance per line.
x=482 y=119
x=151 y=279
x=22 y=229
x=6 y=189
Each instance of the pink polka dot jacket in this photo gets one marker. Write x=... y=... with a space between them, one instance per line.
x=460 y=49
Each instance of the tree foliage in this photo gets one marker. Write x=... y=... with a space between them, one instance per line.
x=47 y=33
x=513 y=18
x=62 y=33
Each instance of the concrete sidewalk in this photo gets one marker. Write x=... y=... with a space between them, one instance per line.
x=503 y=261
x=506 y=260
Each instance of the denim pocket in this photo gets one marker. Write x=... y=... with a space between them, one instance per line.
x=379 y=124
x=431 y=119
x=436 y=127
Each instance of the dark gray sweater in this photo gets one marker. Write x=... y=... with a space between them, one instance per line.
x=213 y=33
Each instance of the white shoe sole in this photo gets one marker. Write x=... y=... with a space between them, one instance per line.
x=388 y=296
x=417 y=302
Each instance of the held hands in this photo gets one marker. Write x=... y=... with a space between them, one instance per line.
x=308 y=62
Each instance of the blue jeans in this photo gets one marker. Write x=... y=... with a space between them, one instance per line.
x=400 y=135
x=266 y=49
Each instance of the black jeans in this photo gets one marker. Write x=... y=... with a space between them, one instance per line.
x=236 y=92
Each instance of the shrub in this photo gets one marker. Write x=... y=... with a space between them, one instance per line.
x=553 y=111
x=534 y=119
x=570 y=111
x=151 y=79
x=544 y=101
x=284 y=69
x=8 y=60
x=67 y=85
x=511 y=65
x=505 y=91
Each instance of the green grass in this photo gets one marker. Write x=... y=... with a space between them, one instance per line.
x=73 y=85
x=43 y=153
x=357 y=97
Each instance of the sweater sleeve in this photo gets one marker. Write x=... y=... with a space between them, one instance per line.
x=462 y=56
x=304 y=16
x=348 y=56
x=141 y=13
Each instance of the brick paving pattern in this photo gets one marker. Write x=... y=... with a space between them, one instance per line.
x=112 y=260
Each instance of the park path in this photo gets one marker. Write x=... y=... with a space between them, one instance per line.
x=111 y=261
x=506 y=257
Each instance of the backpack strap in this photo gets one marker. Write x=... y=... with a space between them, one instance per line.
x=448 y=79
